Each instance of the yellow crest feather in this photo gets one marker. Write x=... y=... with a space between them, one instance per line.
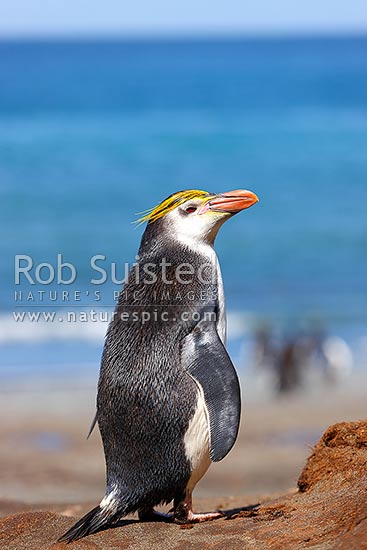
x=171 y=202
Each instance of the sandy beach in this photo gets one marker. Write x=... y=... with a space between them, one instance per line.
x=46 y=459
x=50 y=474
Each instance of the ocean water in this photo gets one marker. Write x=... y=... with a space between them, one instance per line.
x=91 y=133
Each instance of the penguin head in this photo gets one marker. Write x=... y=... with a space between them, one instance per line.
x=195 y=215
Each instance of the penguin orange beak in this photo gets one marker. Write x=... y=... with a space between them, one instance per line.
x=231 y=202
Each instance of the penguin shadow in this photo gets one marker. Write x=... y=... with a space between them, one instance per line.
x=119 y=523
x=232 y=513
x=243 y=512
x=135 y=520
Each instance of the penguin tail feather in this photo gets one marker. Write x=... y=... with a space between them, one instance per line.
x=98 y=518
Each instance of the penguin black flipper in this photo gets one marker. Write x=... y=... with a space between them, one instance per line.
x=205 y=359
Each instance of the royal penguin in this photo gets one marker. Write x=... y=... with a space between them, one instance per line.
x=168 y=400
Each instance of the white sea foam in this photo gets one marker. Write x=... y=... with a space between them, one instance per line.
x=28 y=331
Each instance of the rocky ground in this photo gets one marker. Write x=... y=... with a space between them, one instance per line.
x=327 y=511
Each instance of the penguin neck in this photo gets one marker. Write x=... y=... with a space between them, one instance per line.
x=204 y=248
x=158 y=238
x=155 y=242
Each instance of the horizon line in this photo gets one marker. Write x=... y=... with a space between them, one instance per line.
x=204 y=35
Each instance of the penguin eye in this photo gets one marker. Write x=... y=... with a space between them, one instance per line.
x=190 y=209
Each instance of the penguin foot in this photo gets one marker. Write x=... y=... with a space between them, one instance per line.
x=208 y=516
x=152 y=515
x=184 y=514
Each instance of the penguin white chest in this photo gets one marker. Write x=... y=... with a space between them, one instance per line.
x=197 y=441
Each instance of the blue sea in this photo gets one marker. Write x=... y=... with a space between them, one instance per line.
x=92 y=133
